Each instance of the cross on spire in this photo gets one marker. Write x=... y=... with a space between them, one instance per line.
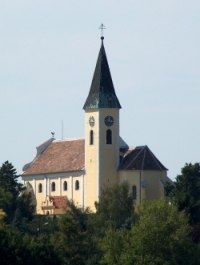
x=102 y=27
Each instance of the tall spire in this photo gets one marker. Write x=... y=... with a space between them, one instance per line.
x=102 y=92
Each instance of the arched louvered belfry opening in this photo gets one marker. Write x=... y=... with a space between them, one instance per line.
x=91 y=137
x=108 y=136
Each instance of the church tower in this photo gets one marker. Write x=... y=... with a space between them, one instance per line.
x=101 y=132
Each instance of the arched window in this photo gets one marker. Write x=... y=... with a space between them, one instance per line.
x=134 y=192
x=91 y=137
x=65 y=185
x=53 y=186
x=77 y=185
x=108 y=136
x=40 y=188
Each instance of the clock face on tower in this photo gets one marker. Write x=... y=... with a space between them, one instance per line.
x=109 y=121
x=91 y=121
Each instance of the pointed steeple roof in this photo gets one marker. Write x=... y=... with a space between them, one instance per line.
x=102 y=92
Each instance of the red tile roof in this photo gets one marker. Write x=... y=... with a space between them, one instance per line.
x=69 y=155
x=59 y=202
x=59 y=156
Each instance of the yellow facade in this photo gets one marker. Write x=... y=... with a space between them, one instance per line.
x=102 y=167
x=47 y=182
x=101 y=159
x=149 y=183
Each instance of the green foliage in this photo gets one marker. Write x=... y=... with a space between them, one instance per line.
x=187 y=191
x=160 y=237
x=40 y=250
x=10 y=189
x=8 y=179
x=169 y=190
x=15 y=200
x=115 y=207
x=11 y=246
x=5 y=200
x=112 y=246
x=24 y=211
x=186 y=195
x=71 y=241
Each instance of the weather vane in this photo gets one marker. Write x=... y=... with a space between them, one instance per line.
x=102 y=27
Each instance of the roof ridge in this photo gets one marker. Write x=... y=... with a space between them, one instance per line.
x=67 y=140
x=135 y=156
x=156 y=160
x=145 y=149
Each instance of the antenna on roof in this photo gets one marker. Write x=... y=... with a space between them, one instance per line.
x=52 y=133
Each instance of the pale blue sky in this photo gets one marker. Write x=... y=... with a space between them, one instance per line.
x=48 y=52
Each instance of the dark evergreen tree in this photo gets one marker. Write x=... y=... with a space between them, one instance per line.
x=11 y=187
x=9 y=179
x=15 y=200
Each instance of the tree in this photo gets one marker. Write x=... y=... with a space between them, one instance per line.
x=112 y=246
x=25 y=209
x=187 y=191
x=11 y=246
x=8 y=179
x=39 y=250
x=5 y=199
x=160 y=237
x=115 y=207
x=186 y=195
x=15 y=200
x=71 y=241
x=11 y=189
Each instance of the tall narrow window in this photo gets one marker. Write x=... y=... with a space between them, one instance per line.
x=77 y=185
x=65 y=185
x=53 y=186
x=40 y=188
x=108 y=136
x=134 y=192
x=91 y=137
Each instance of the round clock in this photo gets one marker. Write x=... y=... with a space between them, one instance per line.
x=109 y=120
x=91 y=121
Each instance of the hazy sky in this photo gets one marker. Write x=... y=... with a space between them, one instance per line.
x=48 y=52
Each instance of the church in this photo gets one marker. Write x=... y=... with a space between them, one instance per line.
x=78 y=169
